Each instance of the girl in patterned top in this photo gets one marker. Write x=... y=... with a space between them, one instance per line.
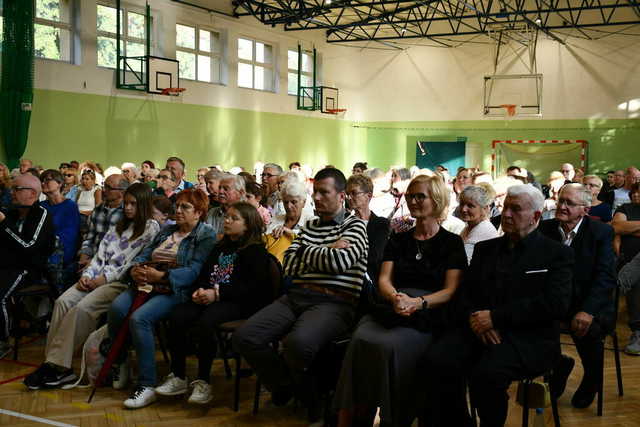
x=234 y=283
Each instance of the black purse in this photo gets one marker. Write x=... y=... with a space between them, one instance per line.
x=383 y=313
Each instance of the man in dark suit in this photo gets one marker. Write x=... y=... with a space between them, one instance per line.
x=518 y=288
x=591 y=312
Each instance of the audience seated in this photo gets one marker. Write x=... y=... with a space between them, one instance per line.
x=626 y=223
x=475 y=202
x=212 y=179
x=518 y=290
x=568 y=172
x=5 y=187
x=359 y=193
x=231 y=190
x=104 y=216
x=234 y=283
x=89 y=195
x=176 y=166
x=177 y=253
x=167 y=185
x=327 y=264
x=202 y=184
x=70 y=186
x=270 y=177
x=27 y=238
x=599 y=210
x=420 y=272
x=64 y=212
x=253 y=195
x=163 y=210
x=621 y=195
x=77 y=310
x=130 y=172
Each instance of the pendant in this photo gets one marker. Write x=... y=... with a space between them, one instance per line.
x=418 y=256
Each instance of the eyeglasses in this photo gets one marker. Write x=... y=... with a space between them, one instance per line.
x=16 y=189
x=163 y=177
x=418 y=197
x=184 y=206
x=354 y=194
x=68 y=175
x=267 y=175
x=568 y=203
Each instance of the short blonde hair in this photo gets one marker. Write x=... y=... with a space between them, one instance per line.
x=438 y=193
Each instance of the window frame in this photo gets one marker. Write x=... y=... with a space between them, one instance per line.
x=212 y=55
x=308 y=74
x=70 y=26
x=254 y=63
x=126 y=9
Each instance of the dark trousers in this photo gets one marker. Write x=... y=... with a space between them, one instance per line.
x=200 y=321
x=307 y=320
x=591 y=351
x=10 y=280
x=458 y=359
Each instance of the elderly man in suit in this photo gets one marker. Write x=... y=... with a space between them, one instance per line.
x=518 y=288
x=591 y=313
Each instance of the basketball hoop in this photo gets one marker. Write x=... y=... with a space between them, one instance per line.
x=336 y=110
x=510 y=109
x=173 y=91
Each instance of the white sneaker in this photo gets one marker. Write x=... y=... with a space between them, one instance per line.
x=141 y=397
x=201 y=392
x=120 y=375
x=172 y=386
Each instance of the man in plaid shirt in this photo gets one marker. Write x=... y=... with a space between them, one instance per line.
x=104 y=216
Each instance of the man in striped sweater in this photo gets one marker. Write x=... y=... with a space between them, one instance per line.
x=327 y=265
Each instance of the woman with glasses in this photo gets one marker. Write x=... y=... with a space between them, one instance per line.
x=599 y=210
x=182 y=249
x=420 y=273
x=233 y=284
x=66 y=217
x=89 y=196
x=167 y=184
x=70 y=185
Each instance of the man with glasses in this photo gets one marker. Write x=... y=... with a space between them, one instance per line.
x=167 y=185
x=232 y=189
x=27 y=239
x=270 y=179
x=327 y=263
x=105 y=215
x=568 y=171
x=591 y=313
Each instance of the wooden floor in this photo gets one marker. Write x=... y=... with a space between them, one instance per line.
x=70 y=407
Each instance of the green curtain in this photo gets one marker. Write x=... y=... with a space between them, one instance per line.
x=16 y=86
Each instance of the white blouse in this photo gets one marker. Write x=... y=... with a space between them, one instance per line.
x=481 y=232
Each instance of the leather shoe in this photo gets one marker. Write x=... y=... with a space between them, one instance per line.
x=584 y=395
x=560 y=376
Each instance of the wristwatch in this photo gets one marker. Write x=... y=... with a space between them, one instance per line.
x=425 y=303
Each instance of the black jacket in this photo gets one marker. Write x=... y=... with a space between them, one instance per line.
x=28 y=248
x=594 y=269
x=378 y=230
x=527 y=289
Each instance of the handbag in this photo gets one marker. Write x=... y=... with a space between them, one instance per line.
x=384 y=313
x=159 y=288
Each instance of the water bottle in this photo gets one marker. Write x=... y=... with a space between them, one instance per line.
x=538 y=420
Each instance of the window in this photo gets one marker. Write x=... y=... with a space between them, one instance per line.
x=53 y=32
x=199 y=55
x=306 y=77
x=133 y=34
x=255 y=65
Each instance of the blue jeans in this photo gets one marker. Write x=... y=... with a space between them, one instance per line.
x=141 y=329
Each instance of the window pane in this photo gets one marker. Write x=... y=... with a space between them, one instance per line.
x=263 y=53
x=292 y=60
x=262 y=78
x=307 y=63
x=205 y=41
x=215 y=70
x=48 y=9
x=185 y=36
x=245 y=49
x=216 y=42
x=47 y=42
x=107 y=19
x=292 y=86
x=135 y=49
x=107 y=52
x=204 y=68
x=136 y=25
x=306 y=81
x=187 y=65
x=245 y=78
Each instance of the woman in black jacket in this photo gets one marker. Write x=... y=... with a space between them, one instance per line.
x=234 y=283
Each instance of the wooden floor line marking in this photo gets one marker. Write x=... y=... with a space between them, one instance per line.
x=19 y=377
x=36 y=419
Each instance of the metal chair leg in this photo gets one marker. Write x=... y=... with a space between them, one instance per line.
x=554 y=410
x=256 y=396
x=236 y=386
x=525 y=403
x=616 y=356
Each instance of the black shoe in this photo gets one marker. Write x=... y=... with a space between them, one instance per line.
x=560 y=376
x=37 y=379
x=61 y=378
x=584 y=395
x=281 y=396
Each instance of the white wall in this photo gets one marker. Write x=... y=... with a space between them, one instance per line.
x=584 y=79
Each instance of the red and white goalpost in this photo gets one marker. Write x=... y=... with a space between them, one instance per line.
x=583 y=151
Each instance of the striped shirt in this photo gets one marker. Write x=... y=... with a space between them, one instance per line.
x=310 y=260
x=100 y=221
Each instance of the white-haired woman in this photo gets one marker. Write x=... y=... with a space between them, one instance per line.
x=475 y=205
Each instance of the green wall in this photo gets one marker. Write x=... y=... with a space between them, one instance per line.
x=111 y=130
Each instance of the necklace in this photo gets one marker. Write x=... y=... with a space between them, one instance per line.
x=419 y=254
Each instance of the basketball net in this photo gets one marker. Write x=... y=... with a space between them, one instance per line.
x=510 y=110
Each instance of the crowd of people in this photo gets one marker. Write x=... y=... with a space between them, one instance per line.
x=443 y=282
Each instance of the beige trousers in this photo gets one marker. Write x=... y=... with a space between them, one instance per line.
x=75 y=314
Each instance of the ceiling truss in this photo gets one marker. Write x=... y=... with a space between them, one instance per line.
x=441 y=21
